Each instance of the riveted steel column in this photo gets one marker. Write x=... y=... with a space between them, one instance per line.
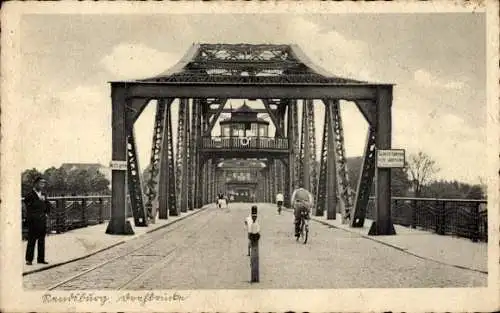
x=292 y=130
x=167 y=202
x=383 y=223
x=118 y=223
x=331 y=167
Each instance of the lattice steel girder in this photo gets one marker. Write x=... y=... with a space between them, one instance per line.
x=292 y=126
x=320 y=196
x=365 y=181
x=196 y=142
x=190 y=159
x=184 y=154
x=156 y=154
x=331 y=166
x=134 y=182
x=246 y=90
x=167 y=198
x=341 y=162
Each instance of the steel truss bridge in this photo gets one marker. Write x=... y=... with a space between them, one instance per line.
x=280 y=76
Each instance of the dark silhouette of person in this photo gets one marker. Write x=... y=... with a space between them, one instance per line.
x=37 y=210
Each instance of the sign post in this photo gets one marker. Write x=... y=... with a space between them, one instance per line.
x=386 y=160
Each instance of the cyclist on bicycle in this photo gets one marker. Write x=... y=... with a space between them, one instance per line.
x=302 y=201
x=279 y=201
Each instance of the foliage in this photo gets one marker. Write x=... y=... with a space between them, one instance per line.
x=420 y=168
x=452 y=190
x=74 y=182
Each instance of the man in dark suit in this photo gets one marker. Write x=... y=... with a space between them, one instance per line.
x=37 y=210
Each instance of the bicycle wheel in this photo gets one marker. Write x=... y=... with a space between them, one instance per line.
x=303 y=230
x=306 y=232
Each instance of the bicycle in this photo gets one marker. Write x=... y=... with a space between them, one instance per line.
x=279 y=207
x=304 y=227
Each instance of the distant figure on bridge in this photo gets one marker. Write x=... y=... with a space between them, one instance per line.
x=37 y=210
x=279 y=201
x=221 y=201
x=302 y=201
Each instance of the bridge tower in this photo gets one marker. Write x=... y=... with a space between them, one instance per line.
x=284 y=80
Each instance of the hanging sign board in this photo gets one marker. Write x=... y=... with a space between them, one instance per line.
x=118 y=165
x=394 y=158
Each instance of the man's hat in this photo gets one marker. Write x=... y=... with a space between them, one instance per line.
x=254 y=210
x=38 y=179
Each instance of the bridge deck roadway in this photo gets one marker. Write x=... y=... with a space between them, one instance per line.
x=208 y=251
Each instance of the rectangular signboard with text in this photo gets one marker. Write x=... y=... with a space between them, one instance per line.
x=394 y=158
x=118 y=165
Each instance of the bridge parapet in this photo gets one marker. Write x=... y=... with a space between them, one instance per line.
x=245 y=143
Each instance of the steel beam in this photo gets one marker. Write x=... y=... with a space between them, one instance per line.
x=365 y=181
x=196 y=152
x=279 y=130
x=320 y=197
x=368 y=109
x=134 y=180
x=292 y=126
x=383 y=223
x=244 y=91
x=331 y=167
x=215 y=117
x=118 y=223
x=167 y=198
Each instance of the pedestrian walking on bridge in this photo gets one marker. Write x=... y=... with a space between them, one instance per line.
x=37 y=211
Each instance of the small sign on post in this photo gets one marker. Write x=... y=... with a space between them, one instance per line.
x=118 y=165
x=394 y=158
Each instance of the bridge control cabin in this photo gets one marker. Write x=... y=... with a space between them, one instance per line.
x=244 y=133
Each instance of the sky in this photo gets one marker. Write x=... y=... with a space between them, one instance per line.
x=436 y=61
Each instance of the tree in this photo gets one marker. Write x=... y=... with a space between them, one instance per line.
x=27 y=179
x=420 y=167
x=56 y=181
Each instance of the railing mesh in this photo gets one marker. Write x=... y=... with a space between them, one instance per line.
x=455 y=217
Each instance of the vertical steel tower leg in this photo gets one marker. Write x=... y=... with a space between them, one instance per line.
x=383 y=224
x=293 y=139
x=118 y=223
x=182 y=155
x=345 y=192
x=322 y=182
x=155 y=161
x=196 y=143
x=331 y=167
x=167 y=204
x=189 y=159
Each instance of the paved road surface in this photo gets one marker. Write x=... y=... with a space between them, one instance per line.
x=208 y=251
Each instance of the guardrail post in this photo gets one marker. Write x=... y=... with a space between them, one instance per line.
x=101 y=211
x=441 y=218
x=475 y=221
x=60 y=216
x=84 y=212
x=414 y=214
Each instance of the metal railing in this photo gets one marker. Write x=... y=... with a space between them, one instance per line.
x=71 y=212
x=245 y=143
x=456 y=217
